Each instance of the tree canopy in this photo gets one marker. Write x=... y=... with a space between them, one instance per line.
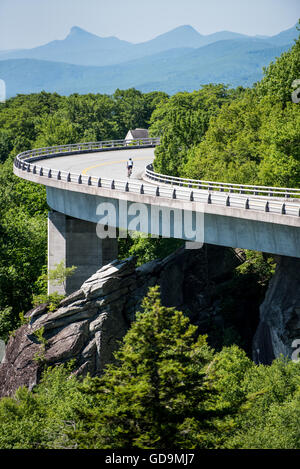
x=242 y=136
x=38 y=120
x=166 y=390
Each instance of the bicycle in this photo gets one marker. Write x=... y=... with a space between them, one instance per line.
x=129 y=171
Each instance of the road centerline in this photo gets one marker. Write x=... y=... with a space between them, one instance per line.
x=107 y=163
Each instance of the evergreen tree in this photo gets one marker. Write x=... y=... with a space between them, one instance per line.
x=158 y=394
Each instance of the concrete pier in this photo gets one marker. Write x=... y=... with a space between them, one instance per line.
x=75 y=242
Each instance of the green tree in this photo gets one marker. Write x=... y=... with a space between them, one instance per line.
x=55 y=130
x=280 y=74
x=229 y=151
x=94 y=116
x=6 y=144
x=249 y=142
x=158 y=394
x=146 y=249
x=42 y=419
x=131 y=110
x=280 y=147
x=60 y=274
x=56 y=276
x=182 y=122
x=270 y=419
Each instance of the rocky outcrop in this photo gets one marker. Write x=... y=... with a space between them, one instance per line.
x=89 y=324
x=279 y=323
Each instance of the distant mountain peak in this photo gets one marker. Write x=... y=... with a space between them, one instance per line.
x=80 y=36
x=181 y=36
x=81 y=47
x=185 y=27
x=76 y=31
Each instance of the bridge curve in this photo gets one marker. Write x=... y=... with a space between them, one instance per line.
x=57 y=165
x=79 y=177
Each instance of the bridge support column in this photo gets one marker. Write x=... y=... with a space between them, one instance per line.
x=75 y=242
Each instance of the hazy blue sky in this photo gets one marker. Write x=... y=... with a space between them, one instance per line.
x=28 y=23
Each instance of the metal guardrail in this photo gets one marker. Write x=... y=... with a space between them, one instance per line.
x=259 y=198
x=220 y=186
x=88 y=147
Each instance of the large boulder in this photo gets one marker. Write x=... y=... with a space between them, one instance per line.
x=90 y=323
x=279 y=326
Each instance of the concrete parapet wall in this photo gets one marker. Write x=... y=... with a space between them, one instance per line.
x=228 y=226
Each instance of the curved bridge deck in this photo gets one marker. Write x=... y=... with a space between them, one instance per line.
x=79 y=177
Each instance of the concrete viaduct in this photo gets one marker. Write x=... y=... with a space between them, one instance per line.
x=90 y=196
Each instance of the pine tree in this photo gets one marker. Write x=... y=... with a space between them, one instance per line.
x=157 y=395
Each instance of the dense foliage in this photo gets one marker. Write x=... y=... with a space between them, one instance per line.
x=35 y=121
x=246 y=136
x=166 y=390
x=250 y=142
x=182 y=121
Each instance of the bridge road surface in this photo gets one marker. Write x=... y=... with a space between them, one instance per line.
x=256 y=222
x=108 y=164
x=111 y=164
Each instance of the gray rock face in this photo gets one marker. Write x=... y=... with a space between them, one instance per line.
x=279 y=323
x=90 y=323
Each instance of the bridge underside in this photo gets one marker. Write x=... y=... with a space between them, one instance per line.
x=77 y=235
x=75 y=242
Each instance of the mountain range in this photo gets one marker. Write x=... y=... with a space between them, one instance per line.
x=179 y=60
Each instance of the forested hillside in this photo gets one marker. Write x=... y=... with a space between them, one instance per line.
x=242 y=135
x=168 y=391
x=35 y=121
x=179 y=393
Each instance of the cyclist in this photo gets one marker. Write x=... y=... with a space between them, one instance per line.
x=129 y=167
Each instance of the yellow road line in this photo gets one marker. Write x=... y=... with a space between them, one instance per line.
x=85 y=170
